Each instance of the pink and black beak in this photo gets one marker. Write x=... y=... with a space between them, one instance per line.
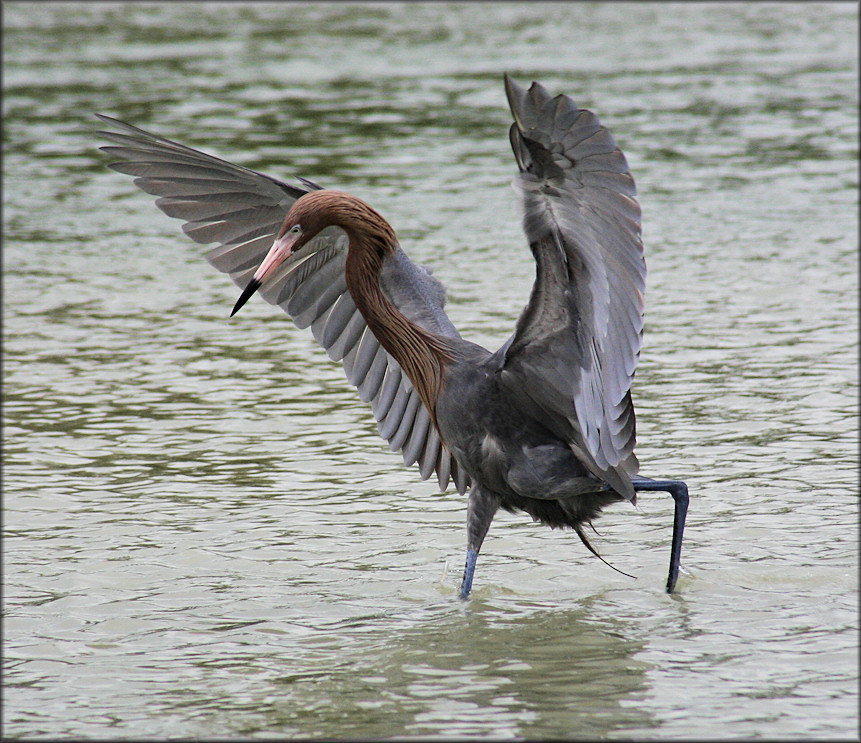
x=281 y=250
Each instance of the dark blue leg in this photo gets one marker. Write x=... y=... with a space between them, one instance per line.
x=679 y=491
x=468 y=572
x=479 y=514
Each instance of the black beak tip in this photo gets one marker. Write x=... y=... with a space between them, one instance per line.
x=252 y=287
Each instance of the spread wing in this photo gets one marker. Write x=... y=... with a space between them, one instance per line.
x=573 y=355
x=242 y=210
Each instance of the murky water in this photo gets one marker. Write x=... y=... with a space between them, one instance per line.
x=203 y=533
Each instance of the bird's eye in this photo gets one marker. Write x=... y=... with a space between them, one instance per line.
x=296 y=229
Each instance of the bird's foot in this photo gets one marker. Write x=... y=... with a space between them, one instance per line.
x=679 y=491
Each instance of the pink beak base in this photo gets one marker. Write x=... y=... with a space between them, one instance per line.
x=280 y=251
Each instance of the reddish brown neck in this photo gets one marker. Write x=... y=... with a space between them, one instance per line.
x=421 y=354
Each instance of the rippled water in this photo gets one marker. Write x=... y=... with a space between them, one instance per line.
x=203 y=533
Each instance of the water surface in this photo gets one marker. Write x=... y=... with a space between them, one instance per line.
x=204 y=535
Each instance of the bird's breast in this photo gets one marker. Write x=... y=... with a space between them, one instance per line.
x=502 y=448
x=478 y=425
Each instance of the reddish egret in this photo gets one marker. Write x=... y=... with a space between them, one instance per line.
x=543 y=425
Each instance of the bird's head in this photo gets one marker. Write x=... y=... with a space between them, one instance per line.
x=310 y=215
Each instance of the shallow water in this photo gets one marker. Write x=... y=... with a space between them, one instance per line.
x=203 y=533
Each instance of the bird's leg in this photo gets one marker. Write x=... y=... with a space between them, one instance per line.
x=479 y=514
x=679 y=491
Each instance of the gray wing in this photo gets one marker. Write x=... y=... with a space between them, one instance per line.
x=242 y=210
x=575 y=349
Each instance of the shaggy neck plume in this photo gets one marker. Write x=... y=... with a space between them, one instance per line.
x=422 y=355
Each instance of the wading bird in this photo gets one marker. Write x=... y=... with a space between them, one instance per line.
x=546 y=423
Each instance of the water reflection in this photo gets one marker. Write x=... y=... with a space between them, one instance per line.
x=440 y=671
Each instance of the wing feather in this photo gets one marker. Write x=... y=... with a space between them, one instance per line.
x=242 y=210
x=580 y=333
x=407 y=418
x=368 y=381
x=430 y=454
x=394 y=415
x=415 y=445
